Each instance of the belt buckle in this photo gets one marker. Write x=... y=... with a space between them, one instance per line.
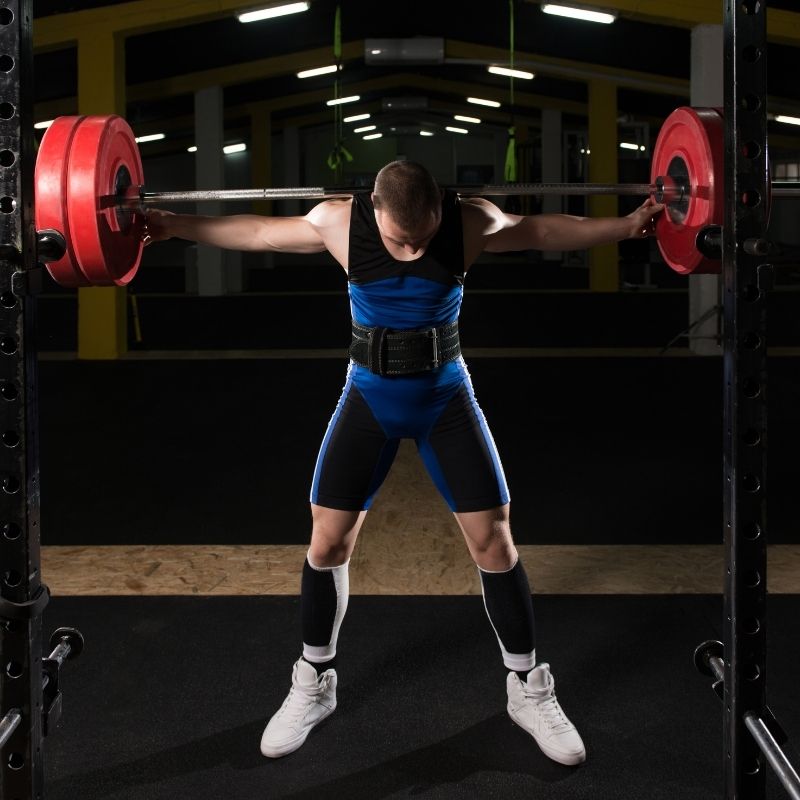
x=434 y=335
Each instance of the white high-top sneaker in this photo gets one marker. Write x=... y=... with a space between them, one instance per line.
x=309 y=701
x=533 y=706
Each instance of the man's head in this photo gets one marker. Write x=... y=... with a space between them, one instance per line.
x=408 y=204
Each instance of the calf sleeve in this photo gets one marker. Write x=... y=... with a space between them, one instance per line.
x=507 y=599
x=323 y=600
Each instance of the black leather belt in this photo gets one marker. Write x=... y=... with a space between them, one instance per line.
x=389 y=352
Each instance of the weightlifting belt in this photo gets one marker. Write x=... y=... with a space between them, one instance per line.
x=389 y=352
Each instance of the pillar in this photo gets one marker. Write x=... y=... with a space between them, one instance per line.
x=102 y=311
x=552 y=167
x=706 y=89
x=603 y=260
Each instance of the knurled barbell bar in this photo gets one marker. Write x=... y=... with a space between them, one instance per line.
x=89 y=186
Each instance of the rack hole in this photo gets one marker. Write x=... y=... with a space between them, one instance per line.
x=7 y=158
x=11 y=484
x=752 y=579
x=751 y=437
x=11 y=531
x=8 y=391
x=13 y=669
x=6 y=63
x=12 y=578
x=751 y=150
x=11 y=439
x=751 y=483
x=7 y=110
x=751 y=340
x=752 y=672
x=751 y=54
x=751 y=6
x=751 y=388
x=752 y=532
x=751 y=625
x=751 y=293
x=8 y=345
x=6 y=16
x=750 y=199
x=16 y=761
x=751 y=102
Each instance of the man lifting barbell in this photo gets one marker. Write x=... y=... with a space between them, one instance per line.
x=406 y=249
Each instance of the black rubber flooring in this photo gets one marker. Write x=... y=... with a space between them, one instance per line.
x=171 y=694
x=596 y=450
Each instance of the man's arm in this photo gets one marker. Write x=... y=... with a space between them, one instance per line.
x=501 y=232
x=315 y=232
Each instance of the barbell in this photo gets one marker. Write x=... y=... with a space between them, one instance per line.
x=89 y=186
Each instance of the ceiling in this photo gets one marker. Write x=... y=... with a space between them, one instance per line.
x=649 y=57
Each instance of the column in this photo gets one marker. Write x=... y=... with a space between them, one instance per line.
x=102 y=311
x=604 y=260
x=706 y=89
x=552 y=167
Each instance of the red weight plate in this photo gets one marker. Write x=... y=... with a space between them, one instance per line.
x=695 y=136
x=104 y=159
x=50 y=192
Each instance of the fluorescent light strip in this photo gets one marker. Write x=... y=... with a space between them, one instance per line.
x=239 y=147
x=479 y=102
x=628 y=146
x=356 y=118
x=272 y=11
x=456 y=130
x=151 y=137
x=45 y=124
x=364 y=128
x=310 y=73
x=426 y=133
x=579 y=13
x=373 y=136
x=512 y=73
x=465 y=119
x=787 y=120
x=339 y=100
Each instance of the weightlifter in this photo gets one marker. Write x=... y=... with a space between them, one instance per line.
x=406 y=249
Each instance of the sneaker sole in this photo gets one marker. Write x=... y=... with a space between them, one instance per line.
x=295 y=744
x=567 y=759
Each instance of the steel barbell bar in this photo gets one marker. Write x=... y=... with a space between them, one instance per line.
x=89 y=186
x=675 y=192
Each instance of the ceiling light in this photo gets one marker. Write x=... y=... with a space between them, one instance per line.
x=478 y=102
x=456 y=130
x=465 y=119
x=512 y=73
x=277 y=10
x=787 y=120
x=606 y=17
x=426 y=133
x=364 y=129
x=339 y=100
x=41 y=125
x=151 y=137
x=628 y=146
x=192 y=149
x=239 y=147
x=373 y=136
x=356 y=118
x=310 y=73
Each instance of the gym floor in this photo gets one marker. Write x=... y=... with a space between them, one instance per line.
x=175 y=522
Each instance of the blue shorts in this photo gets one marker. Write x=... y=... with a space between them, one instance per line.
x=438 y=410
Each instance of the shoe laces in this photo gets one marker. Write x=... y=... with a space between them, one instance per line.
x=300 y=698
x=548 y=707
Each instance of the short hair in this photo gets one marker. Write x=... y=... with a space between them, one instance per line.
x=408 y=192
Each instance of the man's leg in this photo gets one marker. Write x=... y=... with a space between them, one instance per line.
x=532 y=701
x=323 y=600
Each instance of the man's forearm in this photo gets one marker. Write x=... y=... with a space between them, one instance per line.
x=564 y=232
x=239 y=232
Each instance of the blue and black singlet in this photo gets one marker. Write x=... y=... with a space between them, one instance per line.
x=436 y=408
